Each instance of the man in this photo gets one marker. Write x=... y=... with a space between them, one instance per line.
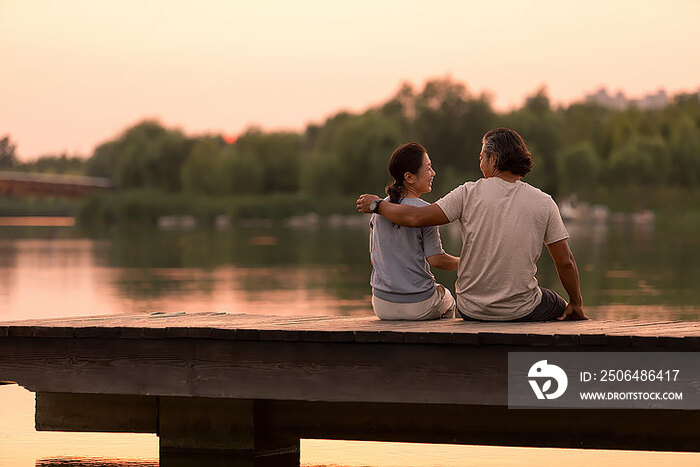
x=504 y=223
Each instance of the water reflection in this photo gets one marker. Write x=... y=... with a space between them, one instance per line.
x=22 y=446
x=625 y=272
x=95 y=462
x=380 y=454
x=621 y=264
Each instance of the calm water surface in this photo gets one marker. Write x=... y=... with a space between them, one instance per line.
x=627 y=270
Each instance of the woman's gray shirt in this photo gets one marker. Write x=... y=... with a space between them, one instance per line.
x=401 y=272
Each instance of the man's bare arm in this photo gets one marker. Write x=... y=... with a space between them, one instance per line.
x=402 y=214
x=444 y=261
x=568 y=274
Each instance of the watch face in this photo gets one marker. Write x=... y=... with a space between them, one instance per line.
x=373 y=205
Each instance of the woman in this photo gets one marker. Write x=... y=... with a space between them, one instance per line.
x=402 y=285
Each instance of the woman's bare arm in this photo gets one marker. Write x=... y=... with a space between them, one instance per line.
x=444 y=261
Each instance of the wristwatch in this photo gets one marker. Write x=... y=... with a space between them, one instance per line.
x=374 y=205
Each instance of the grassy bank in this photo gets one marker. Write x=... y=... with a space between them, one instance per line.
x=12 y=206
x=144 y=207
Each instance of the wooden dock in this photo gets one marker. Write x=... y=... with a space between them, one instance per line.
x=254 y=385
x=40 y=184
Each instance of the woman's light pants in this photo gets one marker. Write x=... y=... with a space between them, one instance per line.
x=440 y=305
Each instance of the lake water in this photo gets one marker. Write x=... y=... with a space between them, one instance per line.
x=628 y=270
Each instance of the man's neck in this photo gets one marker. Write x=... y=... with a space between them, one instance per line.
x=508 y=176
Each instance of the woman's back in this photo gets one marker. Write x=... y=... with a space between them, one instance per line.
x=401 y=271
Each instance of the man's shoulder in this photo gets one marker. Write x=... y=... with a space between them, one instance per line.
x=535 y=192
x=464 y=187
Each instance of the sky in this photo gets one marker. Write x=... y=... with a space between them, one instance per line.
x=75 y=73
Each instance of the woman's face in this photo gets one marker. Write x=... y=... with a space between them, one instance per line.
x=422 y=181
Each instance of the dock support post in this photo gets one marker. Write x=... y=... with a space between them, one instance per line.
x=206 y=431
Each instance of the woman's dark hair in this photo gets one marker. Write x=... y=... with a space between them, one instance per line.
x=406 y=158
x=510 y=150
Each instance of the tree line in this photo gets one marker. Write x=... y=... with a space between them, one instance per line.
x=578 y=149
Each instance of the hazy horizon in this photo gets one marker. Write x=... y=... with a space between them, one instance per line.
x=77 y=73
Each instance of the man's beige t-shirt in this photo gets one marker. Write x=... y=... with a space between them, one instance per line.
x=504 y=226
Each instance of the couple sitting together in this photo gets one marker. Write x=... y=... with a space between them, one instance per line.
x=504 y=223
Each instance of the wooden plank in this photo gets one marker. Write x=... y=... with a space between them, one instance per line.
x=367 y=336
x=540 y=340
x=289 y=335
x=20 y=331
x=265 y=370
x=189 y=332
x=462 y=338
x=391 y=337
x=125 y=332
x=633 y=333
x=667 y=331
x=618 y=340
x=239 y=334
x=652 y=328
x=428 y=338
x=153 y=332
x=591 y=339
x=690 y=342
x=327 y=336
x=271 y=334
x=201 y=423
x=243 y=424
x=96 y=412
x=680 y=343
x=644 y=342
x=567 y=340
x=672 y=430
x=96 y=331
x=501 y=338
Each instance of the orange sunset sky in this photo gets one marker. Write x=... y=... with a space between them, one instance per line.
x=75 y=73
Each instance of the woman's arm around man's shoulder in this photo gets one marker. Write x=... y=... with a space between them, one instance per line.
x=403 y=214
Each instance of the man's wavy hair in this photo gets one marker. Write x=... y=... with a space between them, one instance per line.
x=510 y=150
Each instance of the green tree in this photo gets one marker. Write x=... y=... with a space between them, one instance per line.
x=242 y=175
x=103 y=161
x=146 y=155
x=644 y=161
x=579 y=168
x=8 y=157
x=351 y=154
x=202 y=171
x=543 y=131
x=586 y=122
x=279 y=154
x=450 y=123
x=62 y=164
x=684 y=151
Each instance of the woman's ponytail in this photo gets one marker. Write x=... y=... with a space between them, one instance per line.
x=394 y=192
